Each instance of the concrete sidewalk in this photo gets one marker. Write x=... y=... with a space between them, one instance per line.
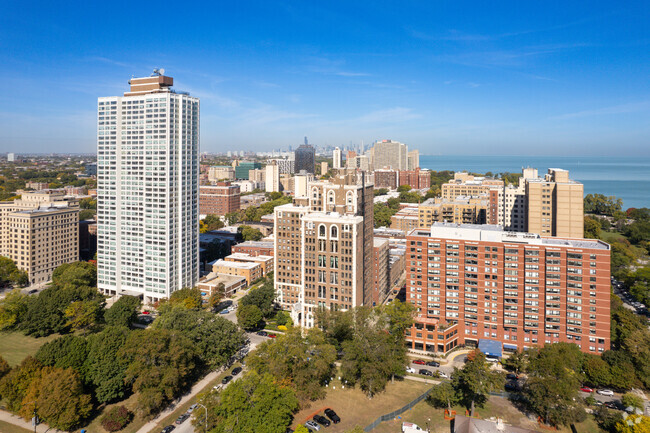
x=10 y=418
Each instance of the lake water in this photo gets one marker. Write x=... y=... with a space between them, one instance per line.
x=624 y=177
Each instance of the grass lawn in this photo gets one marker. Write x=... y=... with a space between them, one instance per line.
x=495 y=407
x=354 y=408
x=15 y=346
x=96 y=427
x=5 y=427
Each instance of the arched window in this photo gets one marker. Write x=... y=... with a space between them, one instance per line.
x=330 y=197
x=321 y=230
x=349 y=198
x=334 y=232
x=314 y=193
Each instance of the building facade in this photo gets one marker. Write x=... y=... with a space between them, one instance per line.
x=462 y=210
x=272 y=177
x=413 y=160
x=324 y=248
x=305 y=157
x=381 y=272
x=219 y=199
x=337 y=158
x=385 y=178
x=519 y=289
x=388 y=154
x=416 y=179
x=147 y=190
x=39 y=234
x=221 y=172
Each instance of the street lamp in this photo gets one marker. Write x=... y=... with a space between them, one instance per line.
x=206 y=416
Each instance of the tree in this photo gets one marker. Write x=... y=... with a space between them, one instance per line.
x=554 y=377
x=301 y=429
x=630 y=399
x=187 y=298
x=60 y=400
x=10 y=274
x=633 y=424
x=443 y=395
x=475 y=381
x=381 y=191
x=601 y=205
x=592 y=228
x=212 y=222
x=382 y=214
x=607 y=419
x=263 y=297
x=14 y=384
x=81 y=315
x=86 y=214
x=103 y=369
x=123 y=312
x=77 y=274
x=597 y=371
x=216 y=296
x=400 y=316
x=4 y=368
x=305 y=361
x=249 y=233
x=404 y=188
x=515 y=362
x=69 y=351
x=373 y=355
x=249 y=316
x=116 y=418
x=13 y=309
x=215 y=338
x=160 y=365
x=254 y=404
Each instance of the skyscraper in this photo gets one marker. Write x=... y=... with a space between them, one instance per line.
x=337 y=161
x=389 y=154
x=147 y=187
x=305 y=158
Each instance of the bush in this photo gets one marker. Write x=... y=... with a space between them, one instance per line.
x=116 y=418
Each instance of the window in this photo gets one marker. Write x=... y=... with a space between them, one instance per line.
x=321 y=231
x=334 y=232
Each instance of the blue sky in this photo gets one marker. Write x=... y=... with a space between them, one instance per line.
x=447 y=77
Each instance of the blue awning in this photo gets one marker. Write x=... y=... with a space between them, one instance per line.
x=490 y=347
x=509 y=346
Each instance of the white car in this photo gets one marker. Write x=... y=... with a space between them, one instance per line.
x=410 y=370
x=607 y=392
x=312 y=425
x=443 y=374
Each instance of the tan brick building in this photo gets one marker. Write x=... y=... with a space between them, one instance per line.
x=324 y=248
x=381 y=272
x=39 y=233
x=250 y=271
x=468 y=185
x=519 y=289
x=405 y=219
x=462 y=210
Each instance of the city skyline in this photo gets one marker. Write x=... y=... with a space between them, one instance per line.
x=478 y=79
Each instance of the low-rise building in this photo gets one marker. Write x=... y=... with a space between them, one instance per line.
x=220 y=173
x=210 y=284
x=416 y=179
x=219 y=199
x=406 y=219
x=386 y=178
x=266 y=262
x=251 y=271
x=461 y=210
x=254 y=248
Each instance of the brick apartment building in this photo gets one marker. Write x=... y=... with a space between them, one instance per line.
x=219 y=199
x=416 y=179
x=254 y=248
x=472 y=283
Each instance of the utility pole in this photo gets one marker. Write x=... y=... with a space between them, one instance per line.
x=206 y=416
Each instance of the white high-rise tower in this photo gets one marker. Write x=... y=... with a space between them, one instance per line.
x=147 y=190
x=337 y=160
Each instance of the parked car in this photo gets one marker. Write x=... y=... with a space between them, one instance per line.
x=511 y=386
x=272 y=335
x=181 y=419
x=442 y=374
x=586 y=389
x=191 y=409
x=512 y=376
x=226 y=379
x=332 y=415
x=312 y=425
x=168 y=429
x=410 y=370
x=492 y=359
x=419 y=362
x=31 y=292
x=224 y=311
x=425 y=372
x=320 y=419
x=235 y=371
x=217 y=387
x=607 y=392
x=433 y=364
x=262 y=333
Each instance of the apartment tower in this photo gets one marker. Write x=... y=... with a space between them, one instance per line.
x=324 y=248
x=147 y=190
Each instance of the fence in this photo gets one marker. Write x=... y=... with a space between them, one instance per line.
x=393 y=414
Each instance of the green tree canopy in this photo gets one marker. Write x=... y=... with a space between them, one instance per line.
x=103 y=369
x=249 y=316
x=249 y=233
x=76 y=274
x=123 y=312
x=13 y=309
x=263 y=297
x=475 y=381
x=69 y=351
x=10 y=274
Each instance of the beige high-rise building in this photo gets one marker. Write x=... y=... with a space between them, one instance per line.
x=257 y=175
x=221 y=172
x=555 y=205
x=413 y=160
x=301 y=182
x=388 y=154
x=272 y=177
x=324 y=248
x=39 y=233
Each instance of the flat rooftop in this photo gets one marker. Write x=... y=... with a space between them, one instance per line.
x=495 y=233
x=239 y=265
x=244 y=256
x=216 y=278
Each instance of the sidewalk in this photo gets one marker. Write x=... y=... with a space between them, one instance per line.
x=198 y=387
x=18 y=421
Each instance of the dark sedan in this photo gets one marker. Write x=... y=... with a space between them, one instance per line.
x=320 y=419
x=332 y=415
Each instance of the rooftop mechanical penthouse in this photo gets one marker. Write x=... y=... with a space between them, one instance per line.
x=478 y=282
